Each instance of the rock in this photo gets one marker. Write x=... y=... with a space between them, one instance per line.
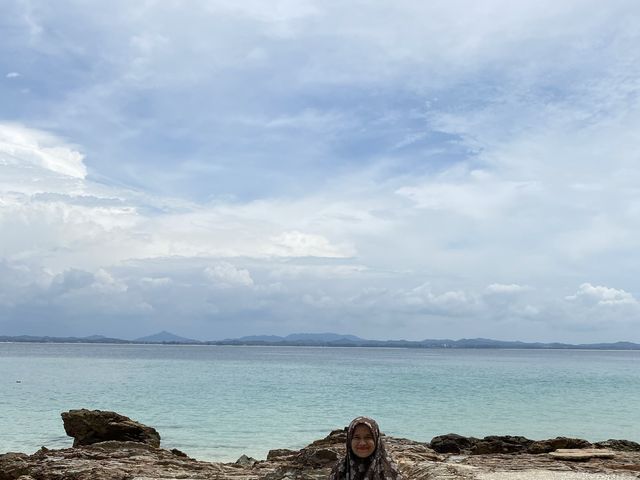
x=132 y=460
x=619 y=445
x=500 y=444
x=92 y=426
x=13 y=465
x=546 y=446
x=452 y=443
x=179 y=453
x=334 y=438
x=245 y=461
x=113 y=460
x=280 y=452
x=581 y=454
x=494 y=444
x=317 y=457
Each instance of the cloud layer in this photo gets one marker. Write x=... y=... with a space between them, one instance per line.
x=231 y=169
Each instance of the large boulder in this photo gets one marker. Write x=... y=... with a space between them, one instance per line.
x=452 y=443
x=93 y=426
x=311 y=457
x=619 y=445
x=501 y=444
x=546 y=446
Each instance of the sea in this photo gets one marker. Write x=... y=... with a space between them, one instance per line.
x=217 y=403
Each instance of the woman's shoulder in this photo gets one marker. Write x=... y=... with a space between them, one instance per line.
x=337 y=472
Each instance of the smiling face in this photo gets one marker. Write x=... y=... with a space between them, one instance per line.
x=362 y=443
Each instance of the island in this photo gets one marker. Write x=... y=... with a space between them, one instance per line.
x=327 y=340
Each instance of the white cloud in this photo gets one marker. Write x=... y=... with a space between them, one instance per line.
x=105 y=282
x=226 y=274
x=477 y=195
x=500 y=288
x=155 y=282
x=598 y=295
x=292 y=271
x=299 y=244
x=90 y=225
x=423 y=299
x=393 y=174
x=12 y=75
x=20 y=146
x=97 y=242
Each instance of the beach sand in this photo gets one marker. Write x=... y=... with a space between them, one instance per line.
x=549 y=475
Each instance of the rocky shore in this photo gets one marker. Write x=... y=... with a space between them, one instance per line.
x=109 y=446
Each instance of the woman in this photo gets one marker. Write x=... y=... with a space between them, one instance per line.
x=366 y=457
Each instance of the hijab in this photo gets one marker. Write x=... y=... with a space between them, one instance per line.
x=377 y=466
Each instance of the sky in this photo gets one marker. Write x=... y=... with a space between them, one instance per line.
x=408 y=169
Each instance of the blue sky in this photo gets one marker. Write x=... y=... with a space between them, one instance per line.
x=408 y=170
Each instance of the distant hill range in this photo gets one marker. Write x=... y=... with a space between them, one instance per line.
x=327 y=340
x=165 y=337
x=300 y=337
x=37 y=339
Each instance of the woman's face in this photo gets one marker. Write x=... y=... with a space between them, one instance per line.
x=362 y=443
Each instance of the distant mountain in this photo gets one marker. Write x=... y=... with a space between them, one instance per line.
x=260 y=338
x=299 y=338
x=164 y=337
x=322 y=337
x=334 y=339
x=611 y=346
x=46 y=339
x=95 y=337
x=331 y=340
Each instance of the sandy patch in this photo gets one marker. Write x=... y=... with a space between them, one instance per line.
x=548 y=475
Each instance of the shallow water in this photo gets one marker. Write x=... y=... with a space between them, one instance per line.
x=218 y=402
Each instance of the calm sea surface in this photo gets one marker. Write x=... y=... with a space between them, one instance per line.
x=216 y=403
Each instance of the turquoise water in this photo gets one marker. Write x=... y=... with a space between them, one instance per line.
x=216 y=403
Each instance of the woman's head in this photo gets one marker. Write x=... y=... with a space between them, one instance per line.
x=366 y=456
x=362 y=437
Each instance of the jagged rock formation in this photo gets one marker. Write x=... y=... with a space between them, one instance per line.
x=453 y=443
x=111 y=460
x=93 y=426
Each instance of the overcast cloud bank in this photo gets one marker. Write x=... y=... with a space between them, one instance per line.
x=409 y=171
